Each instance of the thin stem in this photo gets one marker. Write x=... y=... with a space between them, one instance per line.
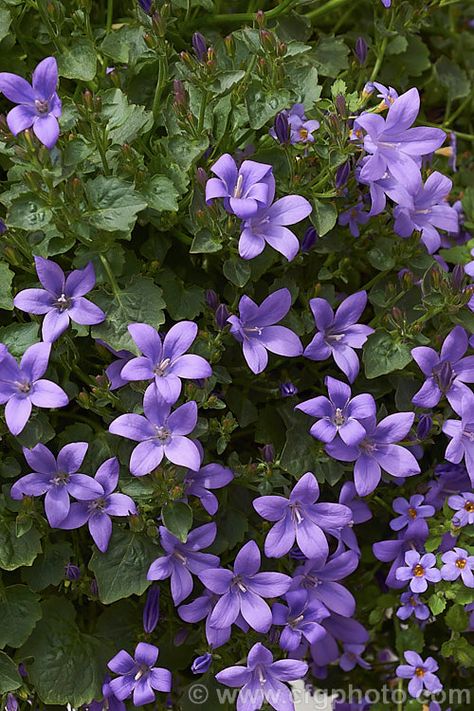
x=459 y=134
x=250 y=16
x=380 y=58
x=113 y=283
x=160 y=83
x=110 y=14
x=324 y=9
x=202 y=111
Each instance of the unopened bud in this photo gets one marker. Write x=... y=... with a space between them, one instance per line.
x=309 y=239
x=361 y=50
x=268 y=40
x=222 y=314
x=341 y=106
x=151 y=611
x=180 y=97
x=282 y=128
x=149 y=40
x=288 y=389
x=212 y=300
x=260 y=18
x=230 y=45
x=268 y=453
x=72 y=572
x=200 y=46
x=201 y=664
x=342 y=174
x=88 y=100
x=457 y=277
x=425 y=424
x=201 y=177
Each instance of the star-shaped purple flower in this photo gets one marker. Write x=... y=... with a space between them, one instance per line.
x=210 y=476
x=411 y=538
x=182 y=559
x=161 y=433
x=462 y=435
x=339 y=333
x=354 y=217
x=21 y=386
x=57 y=478
x=412 y=605
x=263 y=680
x=61 y=299
x=255 y=329
x=458 y=564
x=300 y=618
x=464 y=505
x=39 y=106
x=291 y=125
x=419 y=570
x=360 y=514
x=138 y=675
x=339 y=414
x=243 y=589
x=320 y=577
x=409 y=511
x=114 y=370
x=201 y=608
x=300 y=518
x=97 y=511
x=421 y=674
x=245 y=190
x=166 y=361
x=378 y=450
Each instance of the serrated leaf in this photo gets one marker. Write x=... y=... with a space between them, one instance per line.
x=382 y=355
x=113 y=204
x=79 y=61
x=126 y=121
x=15 y=552
x=19 y=612
x=161 y=194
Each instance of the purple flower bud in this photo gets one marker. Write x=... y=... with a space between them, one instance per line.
x=342 y=174
x=181 y=637
x=268 y=453
x=72 y=572
x=288 y=389
x=151 y=611
x=443 y=374
x=145 y=5
x=212 y=300
x=309 y=239
x=12 y=703
x=22 y=670
x=457 y=277
x=201 y=664
x=282 y=128
x=94 y=588
x=3 y=227
x=361 y=50
x=180 y=98
x=199 y=45
x=341 y=106
x=222 y=314
x=201 y=177
x=368 y=89
x=424 y=426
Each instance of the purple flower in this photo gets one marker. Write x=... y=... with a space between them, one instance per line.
x=161 y=433
x=268 y=226
x=300 y=518
x=182 y=559
x=450 y=479
x=426 y=210
x=113 y=371
x=419 y=570
x=198 y=483
x=361 y=49
x=386 y=3
x=300 y=129
x=245 y=190
x=39 y=106
x=360 y=514
x=464 y=505
x=351 y=657
x=281 y=128
x=377 y=451
x=21 y=386
x=410 y=511
x=201 y=608
x=199 y=45
x=458 y=563
x=62 y=298
x=109 y=701
x=243 y=589
x=201 y=664
x=72 y=572
x=165 y=361
x=420 y=673
x=300 y=618
x=262 y=680
x=255 y=330
x=393 y=146
x=151 y=611
x=320 y=578
x=138 y=675
x=97 y=511
x=462 y=435
x=145 y=5
x=338 y=334
x=411 y=604
x=57 y=478
x=413 y=537
x=339 y=414
x=354 y=217
x=288 y=389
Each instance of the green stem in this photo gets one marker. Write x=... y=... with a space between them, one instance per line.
x=250 y=16
x=380 y=58
x=202 y=111
x=160 y=83
x=113 y=283
x=110 y=14
x=324 y=9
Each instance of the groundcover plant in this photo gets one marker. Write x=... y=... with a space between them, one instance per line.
x=236 y=354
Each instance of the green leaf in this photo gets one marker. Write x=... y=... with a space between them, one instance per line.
x=381 y=254
x=182 y=302
x=161 y=194
x=237 y=271
x=410 y=638
x=113 y=204
x=29 y=213
x=9 y=676
x=122 y=571
x=139 y=302
x=125 y=44
x=68 y=666
x=331 y=56
x=15 y=552
x=205 y=242
x=452 y=78
x=323 y=217
x=263 y=104
x=19 y=336
x=437 y=603
x=6 y=278
x=457 y=618
x=19 y=611
x=126 y=121
x=5 y=21
x=48 y=568
x=225 y=80
x=382 y=354
x=79 y=61
x=178 y=518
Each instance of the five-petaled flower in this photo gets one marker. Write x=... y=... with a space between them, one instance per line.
x=421 y=674
x=419 y=570
x=138 y=675
x=458 y=563
x=245 y=190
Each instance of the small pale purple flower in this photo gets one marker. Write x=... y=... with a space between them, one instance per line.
x=160 y=433
x=165 y=360
x=412 y=605
x=113 y=371
x=300 y=618
x=339 y=414
x=387 y=94
x=288 y=389
x=61 y=299
x=21 y=386
x=138 y=675
x=39 y=106
x=464 y=505
x=245 y=190
x=57 y=478
x=201 y=664
x=263 y=680
x=210 y=476
x=410 y=511
x=354 y=217
x=97 y=511
x=458 y=563
x=255 y=329
x=242 y=590
x=181 y=560
x=462 y=435
x=351 y=657
x=339 y=333
x=300 y=129
x=300 y=518
x=419 y=570
x=421 y=674
x=411 y=538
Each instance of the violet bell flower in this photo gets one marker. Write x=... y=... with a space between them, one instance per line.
x=138 y=675
x=245 y=190
x=462 y=435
